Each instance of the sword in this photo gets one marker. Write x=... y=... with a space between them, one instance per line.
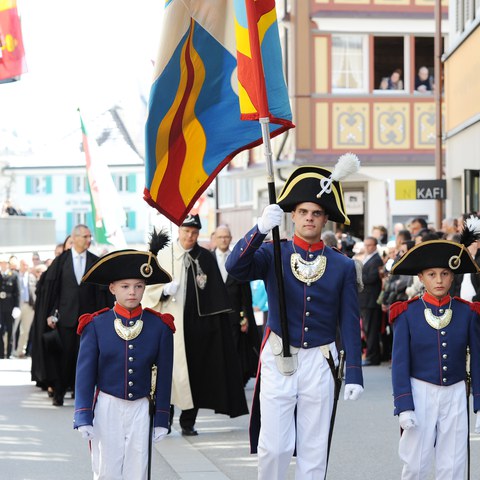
x=337 y=378
x=468 y=383
x=151 y=401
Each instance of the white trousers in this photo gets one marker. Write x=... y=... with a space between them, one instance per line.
x=310 y=390
x=441 y=434
x=119 y=449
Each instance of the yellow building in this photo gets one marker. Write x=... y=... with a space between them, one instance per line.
x=462 y=98
x=339 y=56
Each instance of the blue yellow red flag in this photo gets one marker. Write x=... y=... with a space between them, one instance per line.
x=194 y=127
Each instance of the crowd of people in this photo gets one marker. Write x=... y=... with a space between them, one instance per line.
x=342 y=296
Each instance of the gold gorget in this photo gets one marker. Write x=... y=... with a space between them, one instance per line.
x=128 y=333
x=438 y=321
x=305 y=271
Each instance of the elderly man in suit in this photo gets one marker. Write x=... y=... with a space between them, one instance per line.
x=63 y=299
x=242 y=320
x=370 y=310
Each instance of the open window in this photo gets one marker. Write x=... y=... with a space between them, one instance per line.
x=389 y=55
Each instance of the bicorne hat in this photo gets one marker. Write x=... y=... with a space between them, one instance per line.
x=192 y=221
x=129 y=263
x=442 y=253
x=311 y=183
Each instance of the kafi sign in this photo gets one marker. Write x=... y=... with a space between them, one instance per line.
x=420 y=189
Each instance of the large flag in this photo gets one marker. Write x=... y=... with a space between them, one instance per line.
x=12 y=55
x=108 y=213
x=194 y=127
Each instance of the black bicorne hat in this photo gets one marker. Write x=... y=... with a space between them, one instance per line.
x=311 y=183
x=442 y=253
x=129 y=263
x=192 y=221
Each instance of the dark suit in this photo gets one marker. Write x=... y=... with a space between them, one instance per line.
x=61 y=292
x=370 y=310
x=9 y=298
x=246 y=344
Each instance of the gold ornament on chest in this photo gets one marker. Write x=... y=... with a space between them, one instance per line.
x=438 y=321
x=307 y=271
x=128 y=333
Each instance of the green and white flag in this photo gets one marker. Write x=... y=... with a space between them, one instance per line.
x=108 y=214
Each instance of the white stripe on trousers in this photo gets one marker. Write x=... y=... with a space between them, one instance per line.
x=120 y=444
x=310 y=389
x=441 y=433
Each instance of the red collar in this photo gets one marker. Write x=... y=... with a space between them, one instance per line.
x=435 y=301
x=136 y=312
x=309 y=247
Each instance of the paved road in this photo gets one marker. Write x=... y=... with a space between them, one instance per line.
x=37 y=441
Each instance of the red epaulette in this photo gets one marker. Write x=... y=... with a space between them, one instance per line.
x=397 y=308
x=86 y=318
x=165 y=317
x=475 y=306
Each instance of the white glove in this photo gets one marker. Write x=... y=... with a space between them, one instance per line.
x=352 y=391
x=159 y=433
x=86 y=431
x=408 y=419
x=170 y=288
x=477 y=424
x=271 y=217
x=16 y=312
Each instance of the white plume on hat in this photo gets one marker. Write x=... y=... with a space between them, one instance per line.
x=347 y=164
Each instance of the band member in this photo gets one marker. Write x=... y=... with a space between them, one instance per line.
x=115 y=388
x=429 y=360
x=296 y=394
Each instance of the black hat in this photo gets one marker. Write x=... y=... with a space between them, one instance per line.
x=436 y=254
x=192 y=221
x=311 y=183
x=442 y=253
x=126 y=264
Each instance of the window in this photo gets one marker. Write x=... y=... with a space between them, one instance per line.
x=38 y=185
x=349 y=60
x=472 y=190
x=389 y=57
x=226 y=192
x=125 y=183
x=245 y=191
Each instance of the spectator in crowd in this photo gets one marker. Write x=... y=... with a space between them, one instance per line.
x=370 y=310
x=114 y=408
x=423 y=80
x=242 y=320
x=9 y=305
x=60 y=302
x=380 y=232
x=418 y=226
x=28 y=285
x=8 y=209
x=206 y=370
x=393 y=82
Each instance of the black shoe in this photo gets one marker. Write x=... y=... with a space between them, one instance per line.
x=57 y=402
x=189 y=432
x=368 y=363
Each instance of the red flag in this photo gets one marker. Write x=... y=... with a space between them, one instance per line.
x=12 y=54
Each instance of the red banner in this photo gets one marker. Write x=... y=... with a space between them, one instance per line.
x=12 y=54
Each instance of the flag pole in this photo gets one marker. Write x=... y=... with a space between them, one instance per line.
x=272 y=198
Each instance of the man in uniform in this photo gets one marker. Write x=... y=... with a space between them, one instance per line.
x=206 y=371
x=296 y=394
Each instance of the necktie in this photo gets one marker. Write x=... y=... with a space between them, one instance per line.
x=223 y=270
x=79 y=268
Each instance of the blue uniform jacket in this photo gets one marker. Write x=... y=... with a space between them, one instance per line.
x=123 y=368
x=313 y=311
x=434 y=356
